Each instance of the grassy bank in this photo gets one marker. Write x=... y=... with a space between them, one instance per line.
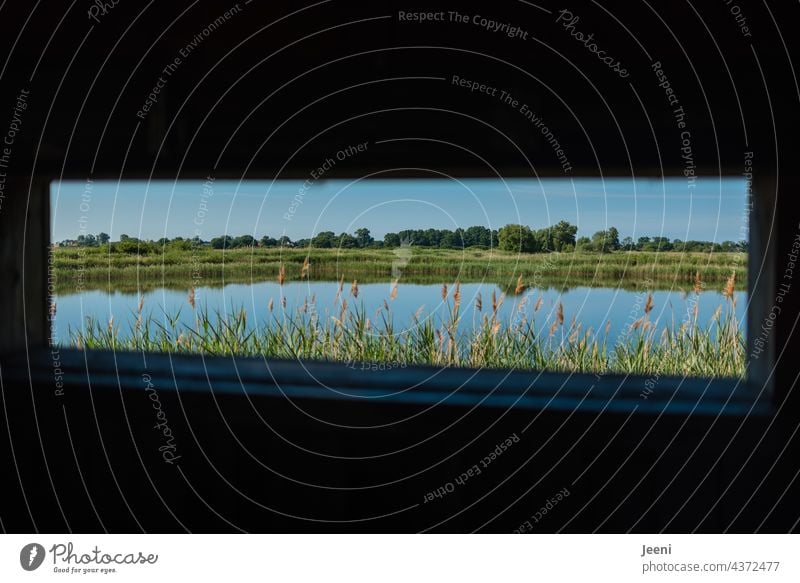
x=691 y=347
x=203 y=266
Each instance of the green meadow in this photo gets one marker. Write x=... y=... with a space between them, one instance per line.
x=182 y=267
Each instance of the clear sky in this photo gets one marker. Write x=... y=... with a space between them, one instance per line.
x=713 y=210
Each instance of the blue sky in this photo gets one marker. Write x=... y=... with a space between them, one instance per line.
x=713 y=210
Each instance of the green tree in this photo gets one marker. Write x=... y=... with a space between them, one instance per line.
x=132 y=245
x=451 y=240
x=243 y=241
x=628 y=244
x=662 y=244
x=324 y=240
x=223 y=242
x=612 y=238
x=181 y=244
x=347 y=241
x=87 y=241
x=606 y=241
x=563 y=234
x=419 y=237
x=517 y=238
x=391 y=240
x=600 y=242
x=267 y=241
x=542 y=240
x=477 y=236
x=363 y=238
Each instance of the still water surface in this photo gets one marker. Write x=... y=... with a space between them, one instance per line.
x=593 y=308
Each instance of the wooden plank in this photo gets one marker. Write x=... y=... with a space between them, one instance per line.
x=285 y=379
x=761 y=281
x=24 y=244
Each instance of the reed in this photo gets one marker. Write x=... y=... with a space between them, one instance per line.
x=712 y=349
x=669 y=267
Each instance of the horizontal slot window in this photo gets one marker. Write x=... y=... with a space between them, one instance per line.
x=594 y=276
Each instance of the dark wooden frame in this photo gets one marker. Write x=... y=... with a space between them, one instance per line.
x=85 y=429
x=31 y=327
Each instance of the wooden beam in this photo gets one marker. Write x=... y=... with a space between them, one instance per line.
x=24 y=249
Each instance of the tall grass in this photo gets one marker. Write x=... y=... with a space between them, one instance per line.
x=669 y=267
x=691 y=347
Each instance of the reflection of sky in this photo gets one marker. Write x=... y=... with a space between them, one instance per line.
x=591 y=307
x=713 y=210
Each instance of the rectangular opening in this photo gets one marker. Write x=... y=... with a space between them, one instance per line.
x=644 y=277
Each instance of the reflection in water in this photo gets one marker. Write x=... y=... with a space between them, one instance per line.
x=596 y=308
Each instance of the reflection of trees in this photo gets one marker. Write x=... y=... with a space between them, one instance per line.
x=504 y=284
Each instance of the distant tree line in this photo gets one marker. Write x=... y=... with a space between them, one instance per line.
x=560 y=237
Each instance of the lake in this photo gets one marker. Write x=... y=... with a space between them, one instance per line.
x=592 y=307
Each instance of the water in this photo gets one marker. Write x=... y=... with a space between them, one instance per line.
x=592 y=308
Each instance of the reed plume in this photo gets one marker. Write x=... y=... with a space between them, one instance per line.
x=573 y=336
x=730 y=287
